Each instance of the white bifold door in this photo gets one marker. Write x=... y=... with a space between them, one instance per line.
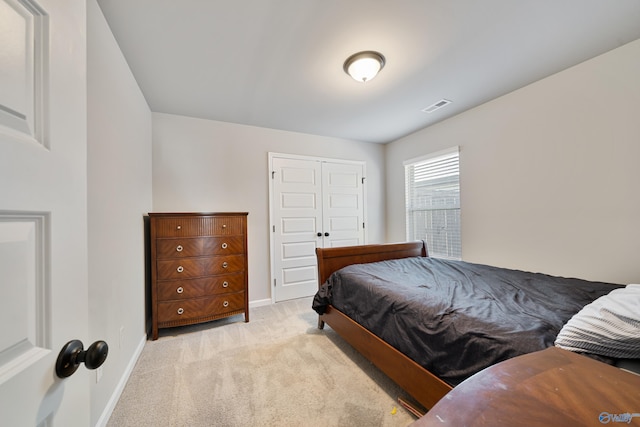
x=314 y=203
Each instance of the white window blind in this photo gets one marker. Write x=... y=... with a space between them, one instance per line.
x=432 y=191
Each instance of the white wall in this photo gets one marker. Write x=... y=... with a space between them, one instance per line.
x=119 y=194
x=550 y=173
x=203 y=165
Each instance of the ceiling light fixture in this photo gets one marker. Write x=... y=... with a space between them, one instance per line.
x=363 y=66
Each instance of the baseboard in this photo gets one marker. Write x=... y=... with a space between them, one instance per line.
x=108 y=410
x=259 y=303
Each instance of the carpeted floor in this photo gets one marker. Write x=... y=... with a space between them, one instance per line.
x=276 y=370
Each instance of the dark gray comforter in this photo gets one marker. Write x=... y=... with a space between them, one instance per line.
x=455 y=318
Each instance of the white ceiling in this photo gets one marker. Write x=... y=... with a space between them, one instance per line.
x=278 y=63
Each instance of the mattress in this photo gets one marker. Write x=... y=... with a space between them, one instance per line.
x=453 y=317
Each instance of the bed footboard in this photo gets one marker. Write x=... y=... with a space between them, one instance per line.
x=421 y=384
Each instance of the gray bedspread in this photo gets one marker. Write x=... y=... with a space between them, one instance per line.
x=456 y=318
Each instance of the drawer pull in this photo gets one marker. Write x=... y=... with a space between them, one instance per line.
x=224 y=245
x=225 y=304
x=225 y=264
x=180 y=269
x=180 y=290
x=225 y=284
x=179 y=248
x=180 y=310
x=179 y=227
x=224 y=225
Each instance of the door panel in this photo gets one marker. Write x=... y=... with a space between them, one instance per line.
x=311 y=197
x=342 y=207
x=43 y=225
x=297 y=217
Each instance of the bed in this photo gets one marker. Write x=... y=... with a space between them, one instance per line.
x=375 y=320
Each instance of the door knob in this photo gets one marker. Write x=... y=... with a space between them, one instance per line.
x=326 y=234
x=73 y=354
x=319 y=234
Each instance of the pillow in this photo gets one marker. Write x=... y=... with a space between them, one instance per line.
x=609 y=326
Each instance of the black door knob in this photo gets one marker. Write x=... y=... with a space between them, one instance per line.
x=73 y=354
x=326 y=234
x=319 y=234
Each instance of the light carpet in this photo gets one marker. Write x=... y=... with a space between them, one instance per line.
x=276 y=370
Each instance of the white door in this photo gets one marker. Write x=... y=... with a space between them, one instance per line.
x=314 y=203
x=43 y=221
x=342 y=204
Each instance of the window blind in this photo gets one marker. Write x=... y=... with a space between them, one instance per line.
x=432 y=200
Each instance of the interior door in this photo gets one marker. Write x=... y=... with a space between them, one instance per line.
x=296 y=222
x=314 y=203
x=43 y=220
x=342 y=204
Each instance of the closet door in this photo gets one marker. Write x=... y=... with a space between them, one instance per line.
x=342 y=199
x=296 y=221
x=314 y=203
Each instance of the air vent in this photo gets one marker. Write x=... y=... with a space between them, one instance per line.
x=436 y=106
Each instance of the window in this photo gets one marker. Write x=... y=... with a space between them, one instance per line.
x=432 y=188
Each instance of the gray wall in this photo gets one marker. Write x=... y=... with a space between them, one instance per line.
x=549 y=173
x=204 y=165
x=119 y=194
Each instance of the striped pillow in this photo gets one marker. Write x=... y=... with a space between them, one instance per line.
x=609 y=326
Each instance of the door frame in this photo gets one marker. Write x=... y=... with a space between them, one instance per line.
x=272 y=249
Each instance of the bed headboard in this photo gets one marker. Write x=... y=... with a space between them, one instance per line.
x=332 y=259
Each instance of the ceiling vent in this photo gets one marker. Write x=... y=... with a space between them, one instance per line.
x=436 y=106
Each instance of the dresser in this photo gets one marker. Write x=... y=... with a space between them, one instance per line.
x=198 y=265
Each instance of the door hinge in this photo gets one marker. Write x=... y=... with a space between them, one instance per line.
x=363 y=225
x=274 y=228
x=273 y=174
x=363 y=178
x=274 y=283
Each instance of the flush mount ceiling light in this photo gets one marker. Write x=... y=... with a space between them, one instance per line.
x=363 y=66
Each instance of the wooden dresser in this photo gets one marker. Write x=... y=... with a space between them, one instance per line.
x=198 y=268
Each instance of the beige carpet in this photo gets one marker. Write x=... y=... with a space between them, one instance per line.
x=277 y=370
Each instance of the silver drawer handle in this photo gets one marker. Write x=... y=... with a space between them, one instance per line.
x=224 y=245
x=180 y=269
x=179 y=227
x=180 y=290
x=225 y=304
x=179 y=248
x=225 y=284
x=225 y=264
x=180 y=310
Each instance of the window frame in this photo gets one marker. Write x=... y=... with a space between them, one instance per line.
x=443 y=169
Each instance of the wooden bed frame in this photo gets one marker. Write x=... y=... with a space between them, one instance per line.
x=422 y=385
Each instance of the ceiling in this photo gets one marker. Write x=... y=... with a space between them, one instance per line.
x=278 y=63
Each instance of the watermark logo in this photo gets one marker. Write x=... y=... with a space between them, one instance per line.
x=606 y=417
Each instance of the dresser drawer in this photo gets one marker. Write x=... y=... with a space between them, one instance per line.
x=200 y=307
x=195 y=288
x=198 y=267
x=191 y=247
x=198 y=226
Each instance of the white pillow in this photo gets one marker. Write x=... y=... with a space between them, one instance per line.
x=609 y=326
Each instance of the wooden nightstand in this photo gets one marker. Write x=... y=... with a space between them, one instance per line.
x=552 y=387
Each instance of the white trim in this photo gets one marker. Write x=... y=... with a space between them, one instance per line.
x=117 y=392
x=441 y=153
x=260 y=303
x=321 y=159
